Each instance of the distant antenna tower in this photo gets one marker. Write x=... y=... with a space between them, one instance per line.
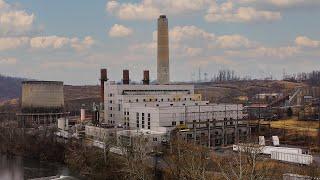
x=199 y=75
x=205 y=77
x=192 y=77
x=284 y=74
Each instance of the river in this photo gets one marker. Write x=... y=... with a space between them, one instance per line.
x=18 y=168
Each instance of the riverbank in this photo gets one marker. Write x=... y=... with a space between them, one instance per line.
x=18 y=168
x=43 y=146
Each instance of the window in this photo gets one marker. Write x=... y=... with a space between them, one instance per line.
x=137 y=116
x=129 y=101
x=142 y=116
x=174 y=123
x=110 y=101
x=142 y=125
x=144 y=100
x=185 y=99
x=119 y=107
x=155 y=139
x=111 y=115
x=181 y=122
x=149 y=119
x=174 y=99
x=161 y=99
x=137 y=100
x=110 y=108
x=156 y=99
x=110 y=94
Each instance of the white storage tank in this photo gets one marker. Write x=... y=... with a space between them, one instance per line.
x=292 y=157
x=82 y=114
x=63 y=124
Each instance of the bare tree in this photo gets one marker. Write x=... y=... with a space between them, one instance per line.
x=137 y=163
x=247 y=163
x=187 y=161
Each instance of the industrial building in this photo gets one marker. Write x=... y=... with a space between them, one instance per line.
x=142 y=108
x=162 y=108
x=116 y=95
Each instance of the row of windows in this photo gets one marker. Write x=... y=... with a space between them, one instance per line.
x=143 y=120
x=174 y=123
x=162 y=100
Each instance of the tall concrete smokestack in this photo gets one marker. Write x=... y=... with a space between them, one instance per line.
x=125 y=77
x=163 y=51
x=103 y=78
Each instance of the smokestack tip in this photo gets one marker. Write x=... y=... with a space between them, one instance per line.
x=125 y=77
x=146 y=79
x=103 y=75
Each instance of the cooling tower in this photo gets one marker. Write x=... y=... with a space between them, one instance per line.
x=42 y=96
x=163 y=51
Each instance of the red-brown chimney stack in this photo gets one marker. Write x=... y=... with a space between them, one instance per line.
x=125 y=78
x=103 y=78
x=146 y=79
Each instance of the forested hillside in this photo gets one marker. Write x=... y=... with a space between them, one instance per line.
x=10 y=87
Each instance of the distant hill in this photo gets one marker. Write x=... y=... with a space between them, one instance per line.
x=10 y=87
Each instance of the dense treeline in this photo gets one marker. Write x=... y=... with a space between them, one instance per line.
x=312 y=78
x=227 y=75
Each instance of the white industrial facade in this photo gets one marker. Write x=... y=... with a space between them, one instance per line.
x=116 y=95
x=153 y=107
x=173 y=114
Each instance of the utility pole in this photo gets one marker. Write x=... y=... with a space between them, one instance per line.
x=318 y=122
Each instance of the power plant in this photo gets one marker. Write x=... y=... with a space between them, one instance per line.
x=163 y=71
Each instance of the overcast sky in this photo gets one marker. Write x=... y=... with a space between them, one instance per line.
x=70 y=40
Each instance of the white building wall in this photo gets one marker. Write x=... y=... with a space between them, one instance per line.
x=117 y=95
x=172 y=116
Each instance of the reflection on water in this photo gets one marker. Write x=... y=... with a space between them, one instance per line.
x=17 y=168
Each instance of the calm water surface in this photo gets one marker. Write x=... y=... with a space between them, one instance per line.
x=18 y=168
